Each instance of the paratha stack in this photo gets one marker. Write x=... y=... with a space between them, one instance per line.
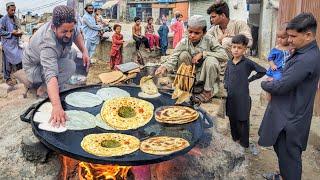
x=126 y=113
x=183 y=83
x=111 y=77
x=163 y=145
x=176 y=114
x=110 y=144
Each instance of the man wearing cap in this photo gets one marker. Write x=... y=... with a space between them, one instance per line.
x=90 y=30
x=10 y=36
x=203 y=51
x=48 y=59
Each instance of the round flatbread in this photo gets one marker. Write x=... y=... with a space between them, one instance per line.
x=83 y=99
x=42 y=117
x=148 y=96
x=148 y=86
x=112 y=92
x=45 y=107
x=48 y=127
x=110 y=144
x=100 y=123
x=163 y=145
x=127 y=113
x=176 y=114
x=79 y=120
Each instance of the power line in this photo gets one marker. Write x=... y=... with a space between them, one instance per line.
x=44 y=6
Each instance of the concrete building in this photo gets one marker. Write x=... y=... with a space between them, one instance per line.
x=156 y=8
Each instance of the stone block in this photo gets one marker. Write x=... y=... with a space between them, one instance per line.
x=33 y=150
x=215 y=157
x=128 y=51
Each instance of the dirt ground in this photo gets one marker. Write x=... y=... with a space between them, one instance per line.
x=12 y=130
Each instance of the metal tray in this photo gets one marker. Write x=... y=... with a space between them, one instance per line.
x=68 y=143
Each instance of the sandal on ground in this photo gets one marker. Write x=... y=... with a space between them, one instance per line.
x=202 y=97
x=272 y=176
x=10 y=82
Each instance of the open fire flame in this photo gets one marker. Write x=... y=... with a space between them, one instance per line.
x=89 y=171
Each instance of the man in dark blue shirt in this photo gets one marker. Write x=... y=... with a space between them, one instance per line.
x=287 y=120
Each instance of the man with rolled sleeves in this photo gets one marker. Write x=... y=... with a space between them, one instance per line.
x=286 y=123
x=48 y=60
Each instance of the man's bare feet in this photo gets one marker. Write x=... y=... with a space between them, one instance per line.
x=42 y=91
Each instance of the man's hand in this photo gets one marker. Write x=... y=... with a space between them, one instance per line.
x=161 y=70
x=220 y=38
x=58 y=116
x=86 y=60
x=16 y=33
x=269 y=79
x=197 y=58
x=274 y=67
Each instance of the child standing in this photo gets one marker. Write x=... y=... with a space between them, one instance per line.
x=150 y=35
x=177 y=29
x=117 y=42
x=163 y=33
x=237 y=81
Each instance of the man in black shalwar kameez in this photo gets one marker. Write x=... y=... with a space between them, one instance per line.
x=287 y=120
x=236 y=82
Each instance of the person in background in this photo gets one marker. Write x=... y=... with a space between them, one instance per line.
x=286 y=122
x=174 y=19
x=150 y=34
x=116 y=48
x=204 y=52
x=104 y=23
x=223 y=28
x=177 y=29
x=278 y=56
x=163 y=32
x=137 y=36
x=90 y=31
x=236 y=82
x=10 y=34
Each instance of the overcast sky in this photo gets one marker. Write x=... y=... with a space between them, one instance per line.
x=24 y=5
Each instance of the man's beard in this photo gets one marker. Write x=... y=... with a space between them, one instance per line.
x=62 y=42
x=89 y=12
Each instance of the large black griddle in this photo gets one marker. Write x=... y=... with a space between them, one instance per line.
x=68 y=143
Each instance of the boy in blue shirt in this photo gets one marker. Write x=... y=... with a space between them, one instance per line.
x=163 y=33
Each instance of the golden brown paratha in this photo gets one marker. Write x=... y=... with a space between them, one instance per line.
x=127 y=113
x=176 y=114
x=163 y=145
x=148 y=86
x=110 y=144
